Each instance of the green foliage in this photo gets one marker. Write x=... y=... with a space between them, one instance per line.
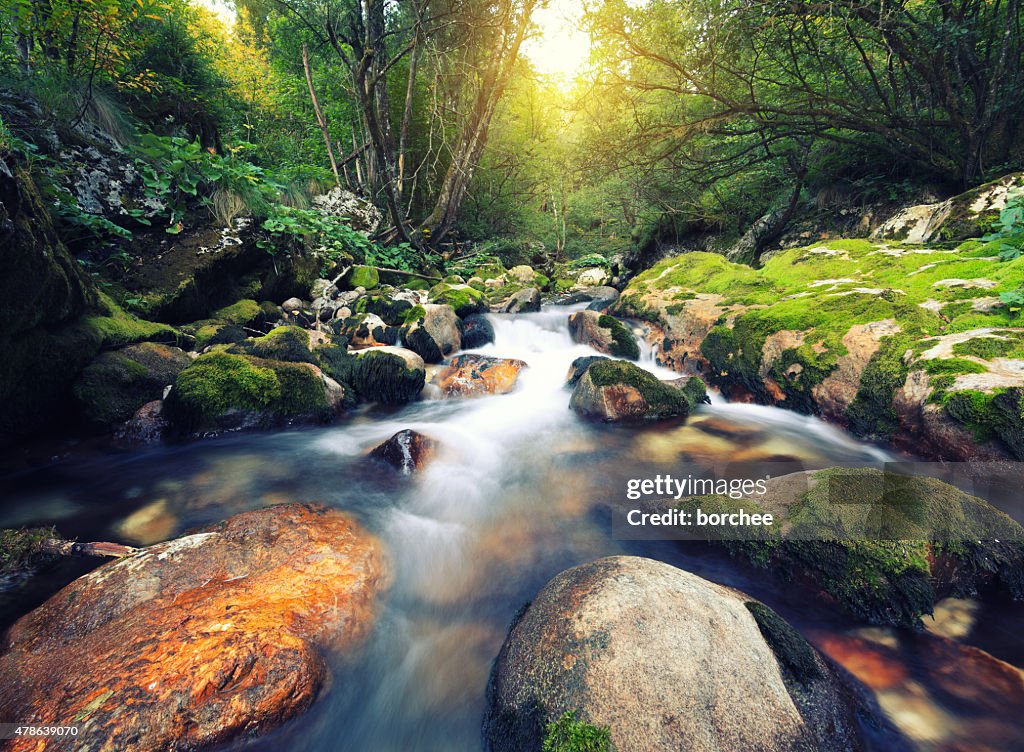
x=23 y=549
x=1008 y=233
x=569 y=734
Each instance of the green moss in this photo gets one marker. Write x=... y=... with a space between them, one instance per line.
x=541 y=282
x=953 y=366
x=116 y=384
x=23 y=548
x=663 y=400
x=242 y=313
x=217 y=384
x=569 y=734
x=118 y=328
x=624 y=344
x=384 y=377
x=364 y=276
x=414 y=314
x=792 y=651
x=287 y=343
x=464 y=299
x=871 y=413
x=998 y=414
x=1005 y=344
x=302 y=391
x=391 y=312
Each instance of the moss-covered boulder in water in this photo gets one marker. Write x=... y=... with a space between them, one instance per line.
x=388 y=377
x=864 y=334
x=618 y=391
x=884 y=546
x=464 y=299
x=118 y=383
x=222 y=391
x=604 y=333
x=433 y=332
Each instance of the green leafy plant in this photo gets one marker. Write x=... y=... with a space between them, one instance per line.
x=1008 y=230
x=569 y=734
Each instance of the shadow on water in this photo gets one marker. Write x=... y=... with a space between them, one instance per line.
x=515 y=495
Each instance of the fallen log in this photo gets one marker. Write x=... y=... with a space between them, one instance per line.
x=60 y=547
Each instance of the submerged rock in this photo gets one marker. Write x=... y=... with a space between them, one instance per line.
x=604 y=333
x=203 y=639
x=118 y=383
x=147 y=426
x=619 y=391
x=667 y=661
x=472 y=375
x=407 y=451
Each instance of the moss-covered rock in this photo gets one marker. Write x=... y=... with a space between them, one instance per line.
x=884 y=546
x=386 y=377
x=604 y=333
x=433 y=332
x=464 y=299
x=118 y=383
x=872 y=335
x=287 y=343
x=619 y=391
x=364 y=276
x=242 y=313
x=223 y=391
x=391 y=311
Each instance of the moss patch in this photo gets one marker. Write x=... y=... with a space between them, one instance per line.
x=242 y=313
x=663 y=400
x=364 y=276
x=792 y=651
x=384 y=377
x=287 y=343
x=624 y=344
x=117 y=328
x=464 y=299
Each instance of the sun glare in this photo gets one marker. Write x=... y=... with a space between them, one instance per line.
x=559 y=48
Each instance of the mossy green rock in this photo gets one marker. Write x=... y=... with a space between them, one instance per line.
x=464 y=299
x=287 y=343
x=364 y=276
x=386 y=377
x=604 y=333
x=862 y=333
x=118 y=383
x=885 y=546
x=616 y=391
x=242 y=313
x=223 y=391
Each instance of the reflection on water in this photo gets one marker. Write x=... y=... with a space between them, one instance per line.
x=515 y=495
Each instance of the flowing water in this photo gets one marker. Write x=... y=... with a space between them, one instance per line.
x=517 y=493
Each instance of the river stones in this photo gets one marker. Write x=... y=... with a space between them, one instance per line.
x=465 y=300
x=604 y=333
x=526 y=300
x=477 y=331
x=667 y=661
x=471 y=375
x=388 y=375
x=580 y=366
x=117 y=383
x=368 y=330
x=432 y=332
x=407 y=451
x=617 y=391
x=199 y=640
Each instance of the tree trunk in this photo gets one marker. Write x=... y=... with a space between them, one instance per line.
x=320 y=119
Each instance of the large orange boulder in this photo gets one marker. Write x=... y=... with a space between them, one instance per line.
x=198 y=640
x=472 y=375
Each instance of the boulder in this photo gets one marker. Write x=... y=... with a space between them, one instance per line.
x=388 y=375
x=580 y=366
x=292 y=306
x=472 y=375
x=368 y=330
x=884 y=546
x=663 y=660
x=117 y=383
x=407 y=451
x=523 y=274
x=223 y=391
x=477 y=331
x=604 y=333
x=616 y=391
x=433 y=332
x=200 y=640
x=526 y=300
x=465 y=300
x=593 y=277
x=391 y=309
x=363 y=276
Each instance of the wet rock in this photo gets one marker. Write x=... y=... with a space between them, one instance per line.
x=368 y=330
x=292 y=306
x=223 y=391
x=407 y=451
x=148 y=525
x=580 y=366
x=433 y=332
x=526 y=300
x=206 y=638
x=146 y=427
x=616 y=391
x=388 y=375
x=604 y=333
x=117 y=383
x=668 y=661
x=886 y=547
x=477 y=331
x=472 y=375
